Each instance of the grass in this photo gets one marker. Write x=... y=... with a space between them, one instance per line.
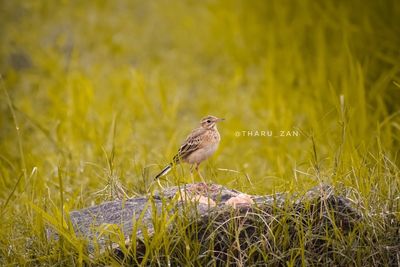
x=99 y=96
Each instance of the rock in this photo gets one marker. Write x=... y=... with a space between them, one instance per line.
x=100 y=224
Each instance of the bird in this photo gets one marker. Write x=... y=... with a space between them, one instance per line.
x=199 y=145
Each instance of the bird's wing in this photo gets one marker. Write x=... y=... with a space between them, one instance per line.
x=193 y=142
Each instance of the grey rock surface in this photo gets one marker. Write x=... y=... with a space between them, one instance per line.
x=98 y=224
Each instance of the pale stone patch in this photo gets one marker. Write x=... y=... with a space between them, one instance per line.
x=241 y=199
x=184 y=195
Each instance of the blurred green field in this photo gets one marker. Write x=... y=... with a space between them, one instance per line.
x=94 y=92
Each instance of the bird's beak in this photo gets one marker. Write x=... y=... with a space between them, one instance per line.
x=220 y=119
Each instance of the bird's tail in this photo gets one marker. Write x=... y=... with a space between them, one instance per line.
x=164 y=171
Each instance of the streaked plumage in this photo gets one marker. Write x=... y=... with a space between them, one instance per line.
x=198 y=146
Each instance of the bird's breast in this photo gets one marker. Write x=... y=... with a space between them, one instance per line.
x=202 y=153
x=209 y=145
x=214 y=136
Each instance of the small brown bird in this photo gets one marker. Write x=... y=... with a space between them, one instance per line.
x=198 y=146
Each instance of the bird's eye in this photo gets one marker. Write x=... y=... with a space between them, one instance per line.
x=208 y=121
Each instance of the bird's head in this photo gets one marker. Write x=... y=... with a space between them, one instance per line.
x=209 y=122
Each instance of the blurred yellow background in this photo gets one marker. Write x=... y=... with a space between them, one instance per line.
x=112 y=88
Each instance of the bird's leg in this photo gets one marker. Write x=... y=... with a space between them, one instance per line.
x=198 y=172
x=191 y=173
